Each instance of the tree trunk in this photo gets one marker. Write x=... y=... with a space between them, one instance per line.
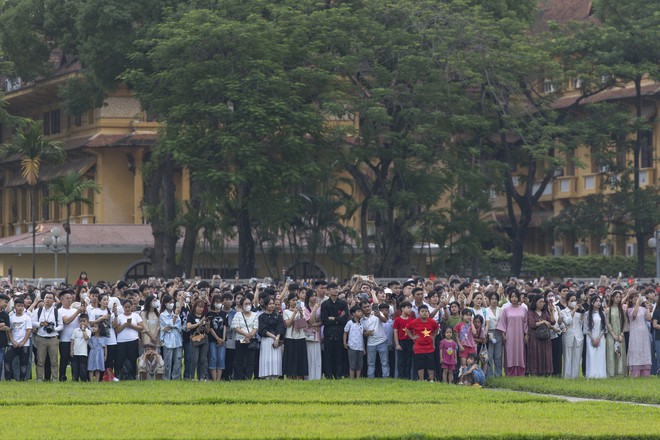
x=33 y=209
x=170 y=235
x=637 y=150
x=517 y=253
x=153 y=176
x=192 y=229
x=67 y=229
x=246 y=248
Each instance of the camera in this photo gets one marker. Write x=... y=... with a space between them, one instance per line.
x=49 y=328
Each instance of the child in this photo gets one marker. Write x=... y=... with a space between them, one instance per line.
x=403 y=344
x=150 y=364
x=423 y=330
x=454 y=316
x=448 y=348
x=354 y=343
x=98 y=352
x=464 y=333
x=388 y=326
x=472 y=374
x=19 y=340
x=79 y=341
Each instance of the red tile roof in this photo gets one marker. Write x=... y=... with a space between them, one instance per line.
x=652 y=89
x=563 y=12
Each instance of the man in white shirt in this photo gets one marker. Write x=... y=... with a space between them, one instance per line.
x=19 y=340
x=70 y=323
x=47 y=323
x=372 y=324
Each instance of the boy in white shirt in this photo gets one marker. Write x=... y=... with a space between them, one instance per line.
x=79 y=340
x=19 y=340
x=354 y=342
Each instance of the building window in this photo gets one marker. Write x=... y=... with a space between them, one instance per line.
x=46 y=123
x=45 y=207
x=646 y=159
x=549 y=87
x=55 y=118
x=138 y=272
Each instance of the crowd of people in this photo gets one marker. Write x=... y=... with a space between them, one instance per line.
x=452 y=329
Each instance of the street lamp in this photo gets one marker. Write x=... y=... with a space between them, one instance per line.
x=653 y=244
x=51 y=241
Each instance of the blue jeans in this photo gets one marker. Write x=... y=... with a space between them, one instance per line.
x=216 y=356
x=383 y=351
x=172 y=359
x=495 y=355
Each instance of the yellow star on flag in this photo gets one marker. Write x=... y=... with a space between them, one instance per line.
x=426 y=333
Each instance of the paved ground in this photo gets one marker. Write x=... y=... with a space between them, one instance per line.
x=581 y=399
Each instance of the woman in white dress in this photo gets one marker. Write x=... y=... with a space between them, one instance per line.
x=271 y=330
x=312 y=313
x=595 y=326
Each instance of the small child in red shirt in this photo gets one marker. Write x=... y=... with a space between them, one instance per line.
x=448 y=349
x=423 y=330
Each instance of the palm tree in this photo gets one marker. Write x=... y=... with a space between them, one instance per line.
x=67 y=190
x=32 y=148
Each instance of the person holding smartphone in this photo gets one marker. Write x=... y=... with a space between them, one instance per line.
x=128 y=327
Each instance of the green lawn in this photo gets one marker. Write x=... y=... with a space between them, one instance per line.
x=644 y=390
x=373 y=409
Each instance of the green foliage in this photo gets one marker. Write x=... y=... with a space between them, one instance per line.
x=590 y=266
x=644 y=390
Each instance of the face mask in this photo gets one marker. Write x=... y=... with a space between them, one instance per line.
x=217 y=305
x=247 y=308
x=572 y=304
x=169 y=306
x=156 y=304
x=83 y=296
x=187 y=300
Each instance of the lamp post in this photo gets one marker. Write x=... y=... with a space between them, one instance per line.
x=653 y=244
x=51 y=241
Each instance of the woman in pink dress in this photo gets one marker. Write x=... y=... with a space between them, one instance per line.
x=639 y=349
x=513 y=325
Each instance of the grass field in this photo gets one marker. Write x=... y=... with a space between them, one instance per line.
x=644 y=390
x=365 y=409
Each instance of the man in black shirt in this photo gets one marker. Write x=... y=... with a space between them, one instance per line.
x=334 y=315
x=5 y=328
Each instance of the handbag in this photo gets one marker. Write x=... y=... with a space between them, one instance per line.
x=197 y=339
x=542 y=332
x=310 y=335
x=300 y=324
x=254 y=342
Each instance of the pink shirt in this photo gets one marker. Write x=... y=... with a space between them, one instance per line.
x=448 y=352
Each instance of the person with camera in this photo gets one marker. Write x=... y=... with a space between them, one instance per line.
x=246 y=326
x=128 y=327
x=47 y=323
x=294 y=364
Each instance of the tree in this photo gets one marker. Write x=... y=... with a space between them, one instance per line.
x=623 y=47
x=242 y=106
x=65 y=191
x=32 y=149
x=408 y=67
